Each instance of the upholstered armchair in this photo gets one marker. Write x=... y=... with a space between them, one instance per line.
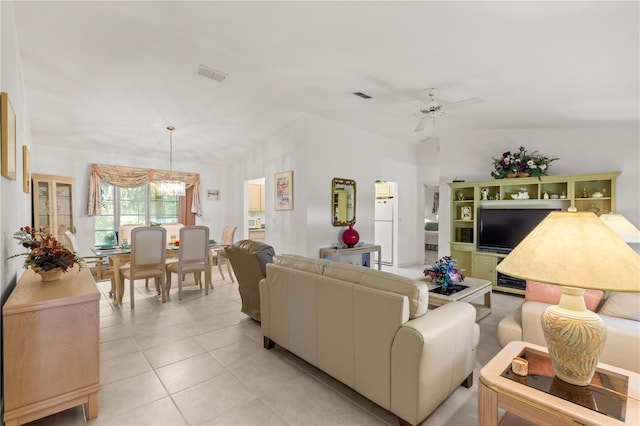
x=249 y=260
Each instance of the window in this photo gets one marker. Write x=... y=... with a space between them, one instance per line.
x=129 y=206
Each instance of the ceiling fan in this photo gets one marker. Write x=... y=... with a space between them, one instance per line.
x=434 y=108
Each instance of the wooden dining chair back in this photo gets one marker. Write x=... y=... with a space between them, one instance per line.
x=148 y=255
x=218 y=255
x=193 y=257
x=98 y=265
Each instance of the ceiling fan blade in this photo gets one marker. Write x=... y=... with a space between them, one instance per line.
x=422 y=123
x=463 y=102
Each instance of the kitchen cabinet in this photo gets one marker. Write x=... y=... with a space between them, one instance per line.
x=256 y=197
x=257 y=235
x=53 y=204
x=51 y=340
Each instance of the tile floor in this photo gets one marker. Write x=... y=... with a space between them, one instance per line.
x=200 y=361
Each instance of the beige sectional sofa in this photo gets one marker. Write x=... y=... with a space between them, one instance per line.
x=371 y=330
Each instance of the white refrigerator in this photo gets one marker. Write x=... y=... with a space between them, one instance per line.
x=383 y=228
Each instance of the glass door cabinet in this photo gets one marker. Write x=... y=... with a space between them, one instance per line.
x=53 y=204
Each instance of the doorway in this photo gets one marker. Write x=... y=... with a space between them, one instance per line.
x=256 y=209
x=431 y=223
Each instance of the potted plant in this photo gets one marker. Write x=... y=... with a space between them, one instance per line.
x=46 y=256
x=520 y=164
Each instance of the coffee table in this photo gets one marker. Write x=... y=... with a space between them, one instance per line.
x=539 y=397
x=475 y=288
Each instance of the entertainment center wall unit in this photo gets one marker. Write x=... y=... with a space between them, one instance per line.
x=594 y=192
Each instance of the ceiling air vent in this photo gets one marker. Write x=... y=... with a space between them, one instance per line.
x=209 y=72
x=362 y=95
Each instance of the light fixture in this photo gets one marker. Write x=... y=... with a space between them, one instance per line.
x=170 y=187
x=576 y=251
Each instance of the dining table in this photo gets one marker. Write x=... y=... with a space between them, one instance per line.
x=120 y=255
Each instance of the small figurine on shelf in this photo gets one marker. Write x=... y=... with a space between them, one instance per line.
x=485 y=194
x=585 y=194
x=545 y=195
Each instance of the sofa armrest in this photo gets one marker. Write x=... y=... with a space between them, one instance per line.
x=531 y=324
x=438 y=347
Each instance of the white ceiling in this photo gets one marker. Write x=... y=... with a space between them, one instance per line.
x=110 y=76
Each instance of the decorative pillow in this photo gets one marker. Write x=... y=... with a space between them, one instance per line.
x=549 y=293
x=622 y=305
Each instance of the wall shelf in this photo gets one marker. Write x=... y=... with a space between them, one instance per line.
x=564 y=192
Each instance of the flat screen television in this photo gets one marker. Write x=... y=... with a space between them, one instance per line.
x=501 y=230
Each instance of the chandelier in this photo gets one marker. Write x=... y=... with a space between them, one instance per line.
x=170 y=187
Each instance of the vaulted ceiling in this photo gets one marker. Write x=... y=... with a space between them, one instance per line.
x=110 y=76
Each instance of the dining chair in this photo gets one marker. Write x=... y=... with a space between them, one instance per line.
x=148 y=255
x=99 y=268
x=124 y=232
x=218 y=255
x=173 y=231
x=193 y=257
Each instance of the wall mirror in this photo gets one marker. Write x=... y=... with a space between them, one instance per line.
x=343 y=202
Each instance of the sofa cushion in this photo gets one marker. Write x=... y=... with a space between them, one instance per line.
x=622 y=305
x=416 y=291
x=314 y=266
x=548 y=293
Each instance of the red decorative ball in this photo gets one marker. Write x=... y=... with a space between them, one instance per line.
x=350 y=237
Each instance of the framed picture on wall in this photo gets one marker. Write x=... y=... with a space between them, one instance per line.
x=213 y=194
x=283 y=184
x=8 y=123
x=26 y=170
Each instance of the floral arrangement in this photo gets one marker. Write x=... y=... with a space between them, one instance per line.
x=510 y=164
x=444 y=273
x=46 y=253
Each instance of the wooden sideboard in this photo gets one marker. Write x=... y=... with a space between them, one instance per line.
x=51 y=338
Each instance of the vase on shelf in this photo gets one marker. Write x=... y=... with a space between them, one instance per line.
x=512 y=175
x=350 y=236
x=50 y=275
x=523 y=174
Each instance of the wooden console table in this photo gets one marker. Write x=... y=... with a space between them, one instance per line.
x=333 y=253
x=51 y=337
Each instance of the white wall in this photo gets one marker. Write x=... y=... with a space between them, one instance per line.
x=579 y=151
x=16 y=205
x=317 y=150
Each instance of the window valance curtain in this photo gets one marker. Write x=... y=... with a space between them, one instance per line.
x=131 y=177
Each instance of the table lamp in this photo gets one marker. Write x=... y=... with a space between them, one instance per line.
x=621 y=226
x=576 y=251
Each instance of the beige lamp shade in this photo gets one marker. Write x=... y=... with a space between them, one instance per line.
x=621 y=226
x=576 y=250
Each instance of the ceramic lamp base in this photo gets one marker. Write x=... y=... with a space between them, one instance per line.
x=575 y=337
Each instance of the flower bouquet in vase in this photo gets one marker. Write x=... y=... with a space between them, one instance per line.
x=47 y=256
x=446 y=275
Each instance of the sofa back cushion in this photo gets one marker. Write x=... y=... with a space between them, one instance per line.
x=416 y=291
x=302 y=263
x=622 y=305
x=549 y=293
